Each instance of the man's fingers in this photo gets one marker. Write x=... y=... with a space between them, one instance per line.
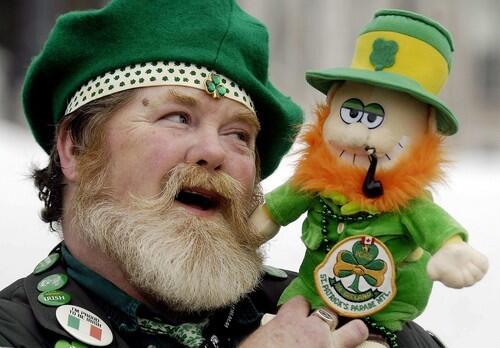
x=295 y=307
x=350 y=335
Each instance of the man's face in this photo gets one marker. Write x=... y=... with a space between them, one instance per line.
x=171 y=204
x=165 y=126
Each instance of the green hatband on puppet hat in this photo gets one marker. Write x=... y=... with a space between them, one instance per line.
x=402 y=51
x=206 y=36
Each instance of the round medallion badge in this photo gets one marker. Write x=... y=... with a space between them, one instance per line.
x=54 y=298
x=52 y=282
x=84 y=325
x=46 y=263
x=357 y=277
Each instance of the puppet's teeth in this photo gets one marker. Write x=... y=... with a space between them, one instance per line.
x=395 y=152
x=398 y=148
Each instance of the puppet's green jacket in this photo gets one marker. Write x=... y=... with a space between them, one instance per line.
x=420 y=224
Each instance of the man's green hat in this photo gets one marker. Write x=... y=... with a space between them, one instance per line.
x=403 y=51
x=215 y=39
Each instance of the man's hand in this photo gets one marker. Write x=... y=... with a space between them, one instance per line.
x=457 y=265
x=263 y=223
x=294 y=327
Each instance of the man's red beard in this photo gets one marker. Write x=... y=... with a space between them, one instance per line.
x=318 y=170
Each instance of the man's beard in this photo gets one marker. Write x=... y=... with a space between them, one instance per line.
x=186 y=262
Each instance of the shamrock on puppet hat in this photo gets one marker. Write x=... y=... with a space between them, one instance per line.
x=402 y=51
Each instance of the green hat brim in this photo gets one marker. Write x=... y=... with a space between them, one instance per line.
x=323 y=80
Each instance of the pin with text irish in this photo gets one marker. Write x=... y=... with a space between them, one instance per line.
x=84 y=325
x=357 y=277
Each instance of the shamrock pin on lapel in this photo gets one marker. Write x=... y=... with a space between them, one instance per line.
x=383 y=53
x=214 y=86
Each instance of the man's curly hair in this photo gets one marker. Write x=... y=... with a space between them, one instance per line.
x=84 y=126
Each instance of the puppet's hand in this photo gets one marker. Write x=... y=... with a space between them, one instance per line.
x=263 y=223
x=457 y=265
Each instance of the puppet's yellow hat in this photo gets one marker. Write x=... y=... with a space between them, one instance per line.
x=403 y=51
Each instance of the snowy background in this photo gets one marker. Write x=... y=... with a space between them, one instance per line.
x=461 y=318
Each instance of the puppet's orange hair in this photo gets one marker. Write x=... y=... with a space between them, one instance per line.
x=319 y=171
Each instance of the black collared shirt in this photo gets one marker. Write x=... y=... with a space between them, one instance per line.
x=25 y=322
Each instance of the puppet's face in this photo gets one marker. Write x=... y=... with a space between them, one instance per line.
x=367 y=117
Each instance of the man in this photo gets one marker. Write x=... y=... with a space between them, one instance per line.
x=160 y=121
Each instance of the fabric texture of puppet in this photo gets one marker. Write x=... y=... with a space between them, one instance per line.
x=375 y=239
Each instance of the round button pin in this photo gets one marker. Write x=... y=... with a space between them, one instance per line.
x=84 y=325
x=54 y=298
x=275 y=272
x=52 y=282
x=66 y=344
x=46 y=263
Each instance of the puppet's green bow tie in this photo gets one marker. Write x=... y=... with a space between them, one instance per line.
x=188 y=334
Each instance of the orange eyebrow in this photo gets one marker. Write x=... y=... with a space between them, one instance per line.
x=181 y=98
x=250 y=118
x=245 y=116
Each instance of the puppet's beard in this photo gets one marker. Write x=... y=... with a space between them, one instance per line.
x=186 y=262
x=321 y=170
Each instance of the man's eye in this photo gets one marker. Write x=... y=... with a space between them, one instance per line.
x=242 y=136
x=177 y=118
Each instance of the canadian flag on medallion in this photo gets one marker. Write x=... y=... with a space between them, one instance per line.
x=367 y=240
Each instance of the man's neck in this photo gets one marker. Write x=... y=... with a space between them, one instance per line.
x=97 y=261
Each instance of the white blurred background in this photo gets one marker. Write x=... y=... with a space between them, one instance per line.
x=303 y=35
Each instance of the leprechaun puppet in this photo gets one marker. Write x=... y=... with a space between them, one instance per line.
x=375 y=240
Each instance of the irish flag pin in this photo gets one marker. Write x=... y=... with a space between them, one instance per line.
x=84 y=325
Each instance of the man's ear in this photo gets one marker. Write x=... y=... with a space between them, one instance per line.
x=432 y=120
x=66 y=151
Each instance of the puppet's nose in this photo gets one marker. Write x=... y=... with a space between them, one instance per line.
x=357 y=135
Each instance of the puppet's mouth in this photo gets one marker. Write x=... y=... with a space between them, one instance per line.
x=361 y=158
x=199 y=199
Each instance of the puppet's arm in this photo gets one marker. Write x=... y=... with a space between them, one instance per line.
x=454 y=262
x=283 y=205
x=457 y=264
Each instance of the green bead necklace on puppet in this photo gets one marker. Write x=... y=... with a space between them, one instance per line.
x=375 y=240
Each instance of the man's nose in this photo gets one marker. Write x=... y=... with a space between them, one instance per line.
x=207 y=151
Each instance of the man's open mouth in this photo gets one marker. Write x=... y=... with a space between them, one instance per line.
x=199 y=198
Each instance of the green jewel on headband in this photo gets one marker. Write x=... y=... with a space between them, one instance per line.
x=214 y=86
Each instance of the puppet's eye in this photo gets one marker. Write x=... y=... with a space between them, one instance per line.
x=351 y=111
x=373 y=116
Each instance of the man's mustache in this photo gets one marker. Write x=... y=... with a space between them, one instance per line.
x=186 y=176
x=225 y=190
